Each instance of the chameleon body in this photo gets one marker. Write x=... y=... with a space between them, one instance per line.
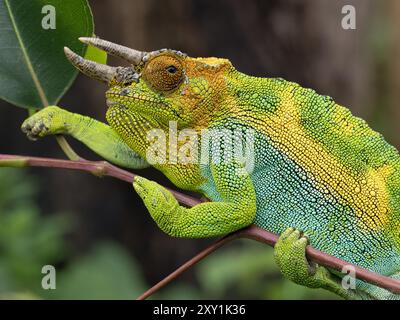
x=320 y=176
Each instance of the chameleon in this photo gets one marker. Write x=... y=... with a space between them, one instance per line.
x=320 y=175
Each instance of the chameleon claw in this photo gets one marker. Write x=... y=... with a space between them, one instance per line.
x=290 y=256
x=42 y=123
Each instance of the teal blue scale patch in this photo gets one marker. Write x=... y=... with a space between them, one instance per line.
x=288 y=197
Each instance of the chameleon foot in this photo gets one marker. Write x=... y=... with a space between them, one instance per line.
x=159 y=201
x=43 y=123
x=291 y=260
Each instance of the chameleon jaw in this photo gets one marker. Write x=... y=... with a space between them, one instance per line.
x=117 y=99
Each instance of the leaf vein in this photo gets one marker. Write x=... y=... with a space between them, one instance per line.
x=32 y=72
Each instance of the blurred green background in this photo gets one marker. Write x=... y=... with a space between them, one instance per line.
x=98 y=234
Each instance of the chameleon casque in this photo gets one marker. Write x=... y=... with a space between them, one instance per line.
x=321 y=175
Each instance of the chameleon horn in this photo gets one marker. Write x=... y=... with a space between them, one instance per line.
x=92 y=69
x=132 y=56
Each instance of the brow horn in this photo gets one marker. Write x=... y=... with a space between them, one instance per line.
x=92 y=69
x=132 y=56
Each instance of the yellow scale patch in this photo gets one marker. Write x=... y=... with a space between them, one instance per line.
x=366 y=193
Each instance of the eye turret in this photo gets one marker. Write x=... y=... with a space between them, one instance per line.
x=163 y=73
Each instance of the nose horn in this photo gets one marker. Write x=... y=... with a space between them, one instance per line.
x=92 y=69
x=132 y=56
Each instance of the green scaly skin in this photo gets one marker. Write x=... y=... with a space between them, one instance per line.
x=317 y=168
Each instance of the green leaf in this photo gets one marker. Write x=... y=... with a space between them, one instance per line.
x=95 y=54
x=33 y=69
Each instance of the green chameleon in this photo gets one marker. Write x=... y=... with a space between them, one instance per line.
x=319 y=174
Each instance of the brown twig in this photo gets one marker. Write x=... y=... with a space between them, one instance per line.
x=255 y=233
x=98 y=168
x=102 y=168
x=188 y=264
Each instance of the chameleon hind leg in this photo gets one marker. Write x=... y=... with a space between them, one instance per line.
x=290 y=256
x=98 y=136
x=208 y=219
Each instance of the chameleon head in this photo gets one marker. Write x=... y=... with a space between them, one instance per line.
x=164 y=85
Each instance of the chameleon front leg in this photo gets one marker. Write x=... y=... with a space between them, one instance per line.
x=290 y=256
x=207 y=219
x=98 y=136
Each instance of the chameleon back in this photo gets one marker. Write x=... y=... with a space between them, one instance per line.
x=321 y=170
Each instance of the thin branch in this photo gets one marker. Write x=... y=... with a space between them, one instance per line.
x=255 y=233
x=67 y=149
x=98 y=168
x=102 y=168
x=190 y=263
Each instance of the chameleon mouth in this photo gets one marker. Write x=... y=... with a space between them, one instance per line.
x=114 y=99
x=111 y=103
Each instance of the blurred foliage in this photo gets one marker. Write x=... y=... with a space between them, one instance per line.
x=245 y=270
x=107 y=272
x=29 y=240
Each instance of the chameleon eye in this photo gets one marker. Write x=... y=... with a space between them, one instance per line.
x=172 y=69
x=163 y=73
